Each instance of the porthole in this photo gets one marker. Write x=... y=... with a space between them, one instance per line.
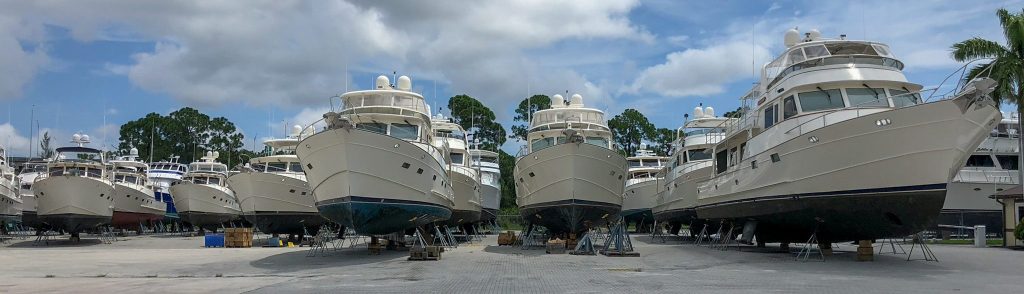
x=406 y=165
x=419 y=171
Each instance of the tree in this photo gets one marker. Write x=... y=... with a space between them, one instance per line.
x=186 y=132
x=629 y=129
x=45 y=149
x=661 y=141
x=507 y=163
x=477 y=118
x=525 y=111
x=735 y=113
x=1007 y=68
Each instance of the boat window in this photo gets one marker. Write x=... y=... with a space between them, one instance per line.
x=650 y=162
x=295 y=167
x=815 y=51
x=197 y=180
x=721 y=161
x=980 y=161
x=273 y=167
x=821 y=100
x=599 y=141
x=489 y=159
x=634 y=163
x=788 y=107
x=733 y=154
x=457 y=158
x=259 y=167
x=1007 y=130
x=796 y=56
x=882 y=50
x=901 y=98
x=214 y=181
x=405 y=131
x=697 y=154
x=1008 y=162
x=865 y=97
x=849 y=48
x=769 y=115
x=373 y=127
x=131 y=179
x=542 y=143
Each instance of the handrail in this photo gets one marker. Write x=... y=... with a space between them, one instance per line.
x=820 y=61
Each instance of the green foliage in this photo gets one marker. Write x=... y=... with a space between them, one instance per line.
x=1019 y=230
x=661 y=141
x=45 y=149
x=525 y=111
x=477 y=118
x=186 y=132
x=507 y=163
x=629 y=129
x=1008 y=68
x=735 y=113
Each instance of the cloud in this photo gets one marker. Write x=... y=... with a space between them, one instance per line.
x=698 y=71
x=13 y=141
x=19 y=65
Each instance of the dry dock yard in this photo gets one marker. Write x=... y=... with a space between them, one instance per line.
x=171 y=263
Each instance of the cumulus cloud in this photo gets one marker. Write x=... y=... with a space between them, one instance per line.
x=19 y=65
x=12 y=140
x=698 y=71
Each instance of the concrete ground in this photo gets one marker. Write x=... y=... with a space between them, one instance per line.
x=178 y=264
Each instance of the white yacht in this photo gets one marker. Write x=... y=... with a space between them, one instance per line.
x=992 y=168
x=569 y=177
x=26 y=177
x=486 y=162
x=135 y=203
x=75 y=194
x=10 y=195
x=689 y=165
x=373 y=167
x=465 y=179
x=162 y=175
x=202 y=196
x=273 y=193
x=643 y=179
x=835 y=141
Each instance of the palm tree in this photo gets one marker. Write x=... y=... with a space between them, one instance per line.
x=1007 y=65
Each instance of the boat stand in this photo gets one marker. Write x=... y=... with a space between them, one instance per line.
x=657 y=232
x=439 y=238
x=529 y=238
x=618 y=242
x=718 y=234
x=451 y=238
x=893 y=245
x=702 y=236
x=107 y=235
x=724 y=242
x=805 y=251
x=585 y=245
x=925 y=250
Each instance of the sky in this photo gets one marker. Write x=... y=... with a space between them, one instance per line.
x=89 y=66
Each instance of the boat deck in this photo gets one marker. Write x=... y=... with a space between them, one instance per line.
x=178 y=264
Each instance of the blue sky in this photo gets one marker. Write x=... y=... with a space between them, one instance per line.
x=267 y=64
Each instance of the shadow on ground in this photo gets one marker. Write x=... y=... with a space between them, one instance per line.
x=298 y=260
x=56 y=241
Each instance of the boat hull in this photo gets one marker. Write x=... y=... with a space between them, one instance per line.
x=74 y=203
x=134 y=206
x=638 y=200
x=679 y=202
x=276 y=203
x=379 y=216
x=894 y=185
x=373 y=183
x=204 y=205
x=487 y=214
x=571 y=187
x=467 y=197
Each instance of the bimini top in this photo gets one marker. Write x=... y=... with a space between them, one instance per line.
x=574 y=113
x=77 y=149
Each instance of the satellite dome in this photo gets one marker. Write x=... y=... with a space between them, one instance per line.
x=404 y=83
x=76 y=137
x=383 y=82
x=216 y=154
x=85 y=138
x=576 y=100
x=698 y=112
x=557 y=101
x=709 y=112
x=134 y=151
x=814 y=35
x=209 y=153
x=792 y=37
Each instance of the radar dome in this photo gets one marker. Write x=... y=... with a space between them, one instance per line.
x=792 y=37
x=709 y=112
x=383 y=82
x=134 y=151
x=209 y=153
x=76 y=137
x=404 y=83
x=698 y=112
x=814 y=35
x=576 y=100
x=296 y=129
x=216 y=154
x=557 y=101
x=85 y=138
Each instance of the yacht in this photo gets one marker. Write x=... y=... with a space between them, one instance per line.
x=835 y=143
x=162 y=175
x=135 y=203
x=465 y=179
x=486 y=162
x=272 y=191
x=992 y=168
x=569 y=177
x=690 y=164
x=29 y=172
x=373 y=167
x=643 y=179
x=75 y=194
x=202 y=197
x=10 y=197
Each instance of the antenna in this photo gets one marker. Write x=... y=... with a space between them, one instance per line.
x=31 y=132
x=152 y=134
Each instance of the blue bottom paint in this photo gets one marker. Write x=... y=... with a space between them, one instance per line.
x=374 y=216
